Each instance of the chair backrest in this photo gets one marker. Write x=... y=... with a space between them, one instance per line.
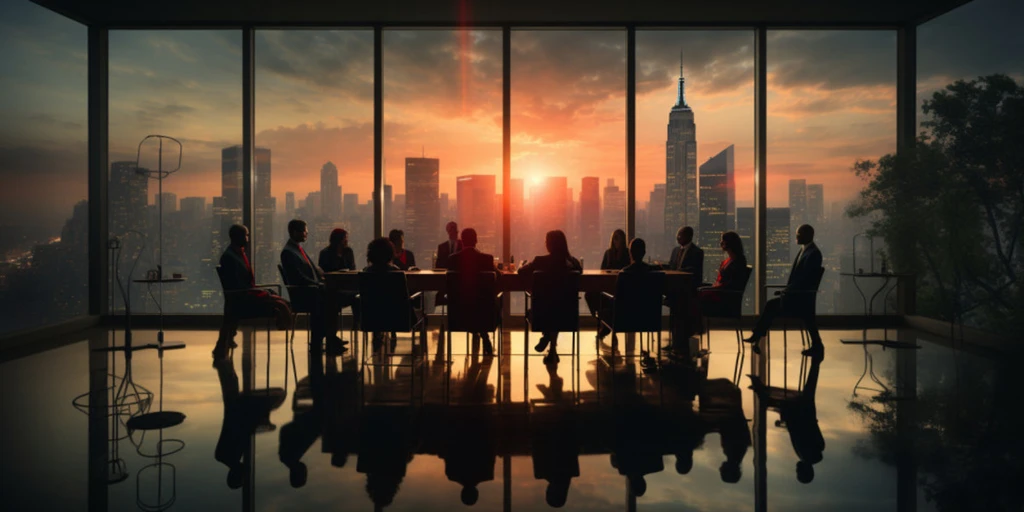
x=806 y=300
x=471 y=301
x=638 y=301
x=556 y=302
x=384 y=302
x=280 y=270
x=731 y=301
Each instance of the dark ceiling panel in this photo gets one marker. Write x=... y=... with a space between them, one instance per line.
x=187 y=13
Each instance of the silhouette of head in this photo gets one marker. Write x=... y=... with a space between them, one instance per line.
x=684 y=235
x=382 y=488
x=469 y=237
x=637 y=485
x=297 y=230
x=239 y=235
x=730 y=472
x=804 y=234
x=297 y=475
x=380 y=251
x=397 y=237
x=235 y=476
x=618 y=241
x=804 y=472
x=684 y=462
x=637 y=249
x=338 y=459
x=557 y=493
x=452 y=229
x=556 y=243
x=731 y=243
x=339 y=238
x=469 y=495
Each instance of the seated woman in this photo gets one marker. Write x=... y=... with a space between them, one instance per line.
x=403 y=259
x=616 y=257
x=379 y=254
x=337 y=255
x=732 y=278
x=557 y=259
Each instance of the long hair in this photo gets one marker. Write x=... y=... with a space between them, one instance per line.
x=336 y=237
x=734 y=243
x=620 y=235
x=557 y=243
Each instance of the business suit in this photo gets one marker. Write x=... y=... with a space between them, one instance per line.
x=690 y=259
x=408 y=256
x=237 y=274
x=445 y=251
x=797 y=298
x=469 y=262
x=300 y=271
x=685 y=314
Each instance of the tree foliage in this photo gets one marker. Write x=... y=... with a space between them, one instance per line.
x=951 y=209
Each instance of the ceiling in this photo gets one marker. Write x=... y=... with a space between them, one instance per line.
x=539 y=13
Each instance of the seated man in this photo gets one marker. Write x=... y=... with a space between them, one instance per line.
x=685 y=315
x=446 y=249
x=237 y=276
x=637 y=251
x=469 y=261
x=797 y=299
x=306 y=279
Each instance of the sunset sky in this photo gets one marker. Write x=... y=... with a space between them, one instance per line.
x=831 y=101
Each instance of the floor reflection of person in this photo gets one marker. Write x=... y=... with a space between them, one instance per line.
x=385 y=450
x=637 y=453
x=242 y=413
x=470 y=450
x=721 y=410
x=798 y=411
x=299 y=435
x=555 y=451
x=341 y=396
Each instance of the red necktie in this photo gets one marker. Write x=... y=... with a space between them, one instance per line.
x=303 y=251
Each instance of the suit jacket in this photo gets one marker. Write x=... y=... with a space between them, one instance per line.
x=410 y=260
x=443 y=254
x=730 y=274
x=805 y=269
x=551 y=263
x=330 y=261
x=470 y=260
x=298 y=270
x=609 y=262
x=694 y=261
x=237 y=275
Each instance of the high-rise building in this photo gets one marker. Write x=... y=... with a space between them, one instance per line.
x=422 y=208
x=681 y=206
x=230 y=211
x=313 y=205
x=745 y=228
x=815 y=203
x=398 y=217
x=590 y=216
x=656 y=224
x=350 y=206
x=798 y=202
x=779 y=238
x=128 y=191
x=548 y=209
x=614 y=211
x=476 y=198
x=192 y=209
x=448 y=210
x=389 y=208
x=330 y=192
x=517 y=218
x=717 y=201
x=170 y=201
x=289 y=203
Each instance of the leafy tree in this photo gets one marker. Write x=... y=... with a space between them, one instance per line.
x=952 y=209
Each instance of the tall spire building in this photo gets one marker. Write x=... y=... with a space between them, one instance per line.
x=681 y=196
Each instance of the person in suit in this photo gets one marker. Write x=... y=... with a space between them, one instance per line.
x=797 y=299
x=307 y=280
x=730 y=277
x=238 y=275
x=558 y=259
x=799 y=413
x=380 y=255
x=403 y=259
x=449 y=247
x=339 y=256
x=616 y=257
x=637 y=251
x=686 y=257
x=469 y=261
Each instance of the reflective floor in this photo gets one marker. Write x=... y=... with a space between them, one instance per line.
x=867 y=428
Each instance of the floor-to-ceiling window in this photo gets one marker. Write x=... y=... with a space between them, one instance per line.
x=44 y=226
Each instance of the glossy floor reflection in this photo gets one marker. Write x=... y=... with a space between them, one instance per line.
x=867 y=428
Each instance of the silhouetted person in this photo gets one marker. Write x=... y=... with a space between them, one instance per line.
x=730 y=277
x=339 y=256
x=470 y=450
x=637 y=251
x=403 y=258
x=238 y=275
x=300 y=271
x=721 y=410
x=306 y=426
x=558 y=259
x=637 y=451
x=555 y=448
x=449 y=247
x=380 y=256
x=242 y=414
x=616 y=257
x=385 y=449
x=469 y=262
x=686 y=257
x=798 y=411
x=797 y=299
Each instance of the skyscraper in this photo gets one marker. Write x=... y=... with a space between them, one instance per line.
x=590 y=216
x=422 y=208
x=717 y=200
x=656 y=223
x=778 y=235
x=476 y=198
x=192 y=209
x=289 y=204
x=745 y=228
x=798 y=202
x=517 y=218
x=548 y=208
x=614 y=211
x=815 y=204
x=681 y=206
x=389 y=205
x=128 y=197
x=330 y=192
x=230 y=211
x=170 y=201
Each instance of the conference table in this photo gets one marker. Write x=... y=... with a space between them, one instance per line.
x=434 y=281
